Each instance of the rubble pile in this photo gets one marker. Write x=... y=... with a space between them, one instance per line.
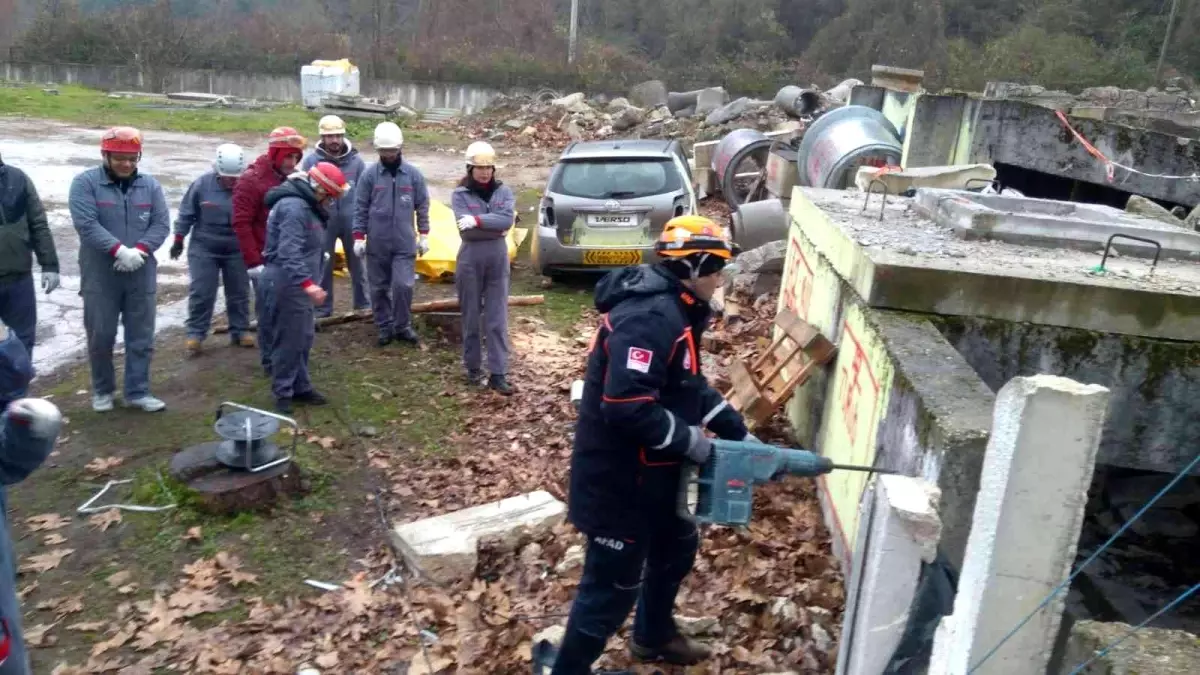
x=1175 y=97
x=650 y=111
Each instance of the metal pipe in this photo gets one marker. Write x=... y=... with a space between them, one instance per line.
x=797 y=101
x=841 y=141
x=736 y=147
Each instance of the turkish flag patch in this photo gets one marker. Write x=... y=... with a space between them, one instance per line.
x=639 y=359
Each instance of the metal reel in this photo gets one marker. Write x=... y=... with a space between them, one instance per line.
x=247 y=433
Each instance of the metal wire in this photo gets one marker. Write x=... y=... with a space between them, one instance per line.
x=1166 y=608
x=1078 y=570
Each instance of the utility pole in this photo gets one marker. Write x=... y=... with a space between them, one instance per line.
x=575 y=30
x=1162 y=54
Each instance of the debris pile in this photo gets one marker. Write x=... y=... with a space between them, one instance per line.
x=650 y=111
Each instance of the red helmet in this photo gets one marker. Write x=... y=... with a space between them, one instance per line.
x=286 y=137
x=329 y=178
x=122 y=139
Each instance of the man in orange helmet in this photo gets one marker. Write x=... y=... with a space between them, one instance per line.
x=285 y=148
x=122 y=219
x=645 y=407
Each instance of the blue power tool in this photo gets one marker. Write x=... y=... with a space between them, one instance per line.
x=725 y=483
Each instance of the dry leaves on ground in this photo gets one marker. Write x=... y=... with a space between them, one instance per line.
x=105 y=519
x=102 y=465
x=46 y=521
x=44 y=562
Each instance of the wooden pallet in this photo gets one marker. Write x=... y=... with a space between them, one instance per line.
x=759 y=389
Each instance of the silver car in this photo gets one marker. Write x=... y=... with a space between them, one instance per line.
x=607 y=202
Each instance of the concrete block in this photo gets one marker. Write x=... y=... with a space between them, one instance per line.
x=650 y=94
x=1033 y=489
x=906 y=262
x=1150 y=650
x=444 y=548
x=897 y=79
x=934 y=130
x=958 y=177
x=904 y=532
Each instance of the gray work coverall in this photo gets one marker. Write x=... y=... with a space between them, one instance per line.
x=295 y=247
x=20 y=454
x=108 y=214
x=341 y=225
x=213 y=253
x=481 y=274
x=384 y=212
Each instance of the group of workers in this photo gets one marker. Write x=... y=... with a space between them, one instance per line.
x=646 y=409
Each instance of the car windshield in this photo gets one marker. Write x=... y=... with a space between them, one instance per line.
x=617 y=178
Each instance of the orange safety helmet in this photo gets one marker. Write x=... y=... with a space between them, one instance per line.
x=684 y=236
x=122 y=139
x=329 y=178
x=286 y=137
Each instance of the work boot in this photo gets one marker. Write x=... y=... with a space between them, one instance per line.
x=313 y=397
x=147 y=403
x=283 y=406
x=679 y=651
x=407 y=334
x=474 y=377
x=102 y=402
x=243 y=340
x=385 y=338
x=192 y=345
x=500 y=385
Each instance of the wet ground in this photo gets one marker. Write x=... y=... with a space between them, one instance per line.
x=52 y=153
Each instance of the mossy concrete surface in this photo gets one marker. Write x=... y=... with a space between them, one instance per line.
x=1153 y=408
x=1149 y=651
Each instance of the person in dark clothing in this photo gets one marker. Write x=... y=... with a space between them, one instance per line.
x=336 y=149
x=24 y=233
x=285 y=149
x=28 y=430
x=485 y=210
x=294 y=254
x=206 y=213
x=645 y=407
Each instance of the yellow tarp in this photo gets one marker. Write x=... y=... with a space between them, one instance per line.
x=343 y=65
x=438 y=264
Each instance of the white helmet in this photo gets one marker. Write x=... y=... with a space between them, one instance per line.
x=481 y=154
x=331 y=125
x=230 y=161
x=388 y=136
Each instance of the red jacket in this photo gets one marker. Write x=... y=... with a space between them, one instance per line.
x=250 y=210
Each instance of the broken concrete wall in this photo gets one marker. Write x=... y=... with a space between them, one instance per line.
x=897 y=395
x=1032 y=137
x=1150 y=650
x=1154 y=383
x=939 y=131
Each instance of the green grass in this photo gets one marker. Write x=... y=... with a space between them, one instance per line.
x=89 y=107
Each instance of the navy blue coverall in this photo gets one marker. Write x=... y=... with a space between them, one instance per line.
x=643 y=390
x=293 y=255
x=341 y=224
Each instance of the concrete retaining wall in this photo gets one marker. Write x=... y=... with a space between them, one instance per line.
x=417 y=95
x=1154 y=383
x=897 y=395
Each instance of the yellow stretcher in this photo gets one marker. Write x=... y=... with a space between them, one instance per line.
x=438 y=263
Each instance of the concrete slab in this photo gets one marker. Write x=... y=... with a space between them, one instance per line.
x=907 y=261
x=444 y=548
x=1150 y=650
x=1033 y=489
x=903 y=533
x=1047 y=222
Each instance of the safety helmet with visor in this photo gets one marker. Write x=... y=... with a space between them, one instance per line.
x=326 y=177
x=694 y=246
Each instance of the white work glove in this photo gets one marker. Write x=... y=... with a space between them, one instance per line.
x=255 y=272
x=41 y=416
x=423 y=244
x=49 y=281
x=129 y=259
x=699 y=446
x=360 y=247
x=466 y=223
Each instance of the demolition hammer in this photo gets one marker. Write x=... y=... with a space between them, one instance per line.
x=724 y=493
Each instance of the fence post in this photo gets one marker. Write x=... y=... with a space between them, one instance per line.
x=1033 y=489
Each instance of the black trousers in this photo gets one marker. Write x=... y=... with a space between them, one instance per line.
x=617 y=573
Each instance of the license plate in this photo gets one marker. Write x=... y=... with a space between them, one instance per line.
x=612 y=221
x=613 y=258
